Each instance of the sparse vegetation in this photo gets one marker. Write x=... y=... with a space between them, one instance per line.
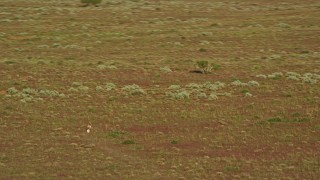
x=133 y=89
x=165 y=70
x=115 y=91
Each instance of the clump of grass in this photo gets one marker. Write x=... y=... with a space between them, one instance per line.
x=293 y=74
x=283 y=25
x=12 y=91
x=202 y=95
x=128 y=142
x=73 y=89
x=238 y=83
x=110 y=86
x=261 y=76
x=231 y=168
x=247 y=94
x=295 y=78
x=193 y=86
x=275 y=120
x=99 y=88
x=213 y=86
x=174 y=87
x=110 y=67
x=225 y=94
x=76 y=84
x=174 y=142
x=283 y=120
x=51 y=93
x=30 y=91
x=83 y=88
x=30 y=94
x=133 y=89
x=106 y=87
x=253 y=83
x=101 y=66
x=115 y=134
x=213 y=96
x=178 y=95
x=78 y=87
x=309 y=80
x=165 y=69
x=275 y=75
x=306 y=77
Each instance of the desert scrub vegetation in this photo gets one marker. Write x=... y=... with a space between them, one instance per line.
x=309 y=78
x=78 y=87
x=199 y=91
x=213 y=96
x=207 y=90
x=106 y=87
x=32 y=95
x=109 y=67
x=206 y=86
x=165 y=69
x=133 y=90
x=179 y=95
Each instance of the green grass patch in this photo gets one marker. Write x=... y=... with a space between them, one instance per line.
x=115 y=134
x=283 y=120
x=174 y=142
x=128 y=142
x=231 y=168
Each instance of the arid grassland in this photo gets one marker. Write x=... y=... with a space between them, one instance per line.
x=130 y=68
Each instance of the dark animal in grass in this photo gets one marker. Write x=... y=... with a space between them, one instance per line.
x=197 y=71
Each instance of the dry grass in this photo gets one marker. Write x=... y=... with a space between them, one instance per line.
x=53 y=46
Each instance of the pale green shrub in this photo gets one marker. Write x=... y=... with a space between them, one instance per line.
x=165 y=69
x=51 y=93
x=293 y=74
x=174 y=87
x=202 y=95
x=208 y=85
x=76 y=84
x=178 y=95
x=307 y=79
x=213 y=96
x=78 y=87
x=83 y=88
x=101 y=66
x=225 y=94
x=261 y=76
x=30 y=91
x=12 y=91
x=238 y=83
x=275 y=75
x=112 y=67
x=99 y=88
x=296 y=78
x=193 y=86
x=110 y=86
x=72 y=89
x=133 y=89
x=253 y=83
